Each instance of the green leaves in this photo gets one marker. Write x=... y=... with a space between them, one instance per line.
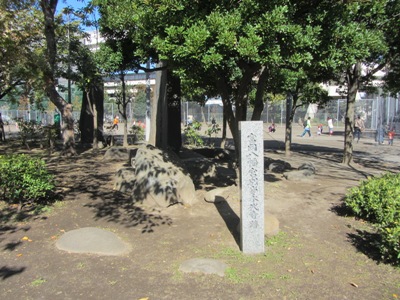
x=378 y=201
x=24 y=179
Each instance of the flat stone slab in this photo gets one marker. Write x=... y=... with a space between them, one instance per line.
x=204 y=265
x=92 y=240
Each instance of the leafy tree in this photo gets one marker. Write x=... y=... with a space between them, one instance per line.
x=21 y=48
x=360 y=39
x=117 y=58
x=392 y=78
x=89 y=79
x=225 y=46
x=50 y=74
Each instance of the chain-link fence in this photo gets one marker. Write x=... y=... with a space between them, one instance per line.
x=134 y=112
x=375 y=111
x=38 y=116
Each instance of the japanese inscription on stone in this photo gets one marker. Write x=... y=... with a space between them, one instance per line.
x=252 y=187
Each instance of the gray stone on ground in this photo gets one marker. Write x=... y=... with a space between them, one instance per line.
x=299 y=175
x=307 y=166
x=222 y=194
x=305 y=172
x=116 y=153
x=204 y=265
x=124 y=180
x=271 y=225
x=161 y=179
x=92 y=240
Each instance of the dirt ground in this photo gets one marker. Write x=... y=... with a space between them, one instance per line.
x=320 y=253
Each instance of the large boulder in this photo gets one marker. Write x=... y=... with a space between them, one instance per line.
x=161 y=179
x=305 y=172
x=124 y=180
x=116 y=154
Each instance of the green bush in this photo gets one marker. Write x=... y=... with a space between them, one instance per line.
x=192 y=134
x=24 y=179
x=138 y=132
x=377 y=200
x=213 y=129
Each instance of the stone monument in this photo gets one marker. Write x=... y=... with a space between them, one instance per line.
x=252 y=187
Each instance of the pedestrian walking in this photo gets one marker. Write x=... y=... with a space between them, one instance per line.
x=358 y=128
x=115 y=123
x=330 y=126
x=307 y=127
x=391 y=135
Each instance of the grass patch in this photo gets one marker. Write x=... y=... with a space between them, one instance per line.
x=38 y=282
x=232 y=275
x=236 y=255
x=80 y=266
x=267 y=276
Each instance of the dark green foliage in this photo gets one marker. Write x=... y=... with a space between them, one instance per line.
x=24 y=179
x=378 y=201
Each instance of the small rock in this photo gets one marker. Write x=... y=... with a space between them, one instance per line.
x=204 y=265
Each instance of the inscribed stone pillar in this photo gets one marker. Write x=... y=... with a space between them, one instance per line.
x=252 y=187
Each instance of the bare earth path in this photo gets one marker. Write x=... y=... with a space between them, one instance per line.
x=319 y=254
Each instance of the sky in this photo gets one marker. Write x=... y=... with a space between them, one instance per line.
x=75 y=4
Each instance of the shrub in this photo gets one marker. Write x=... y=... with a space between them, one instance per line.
x=213 y=129
x=192 y=134
x=138 y=132
x=24 y=179
x=378 y=201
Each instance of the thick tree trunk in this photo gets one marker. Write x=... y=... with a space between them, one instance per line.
x=49 y=8
x=122 y=111
x=259 y=101
x=289 y=121
x=224 y=125
x=228 y=114
x=87 y=122
x=353 y=80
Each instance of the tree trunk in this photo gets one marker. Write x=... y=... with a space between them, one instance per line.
x=353 y=80
x=224 y=123
x=49 y=8
x=124 y=104
x=87 y=121
x=95 y=127
x=259 y=102
x=228 y=114
x=289 y=122
x=203 y=117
